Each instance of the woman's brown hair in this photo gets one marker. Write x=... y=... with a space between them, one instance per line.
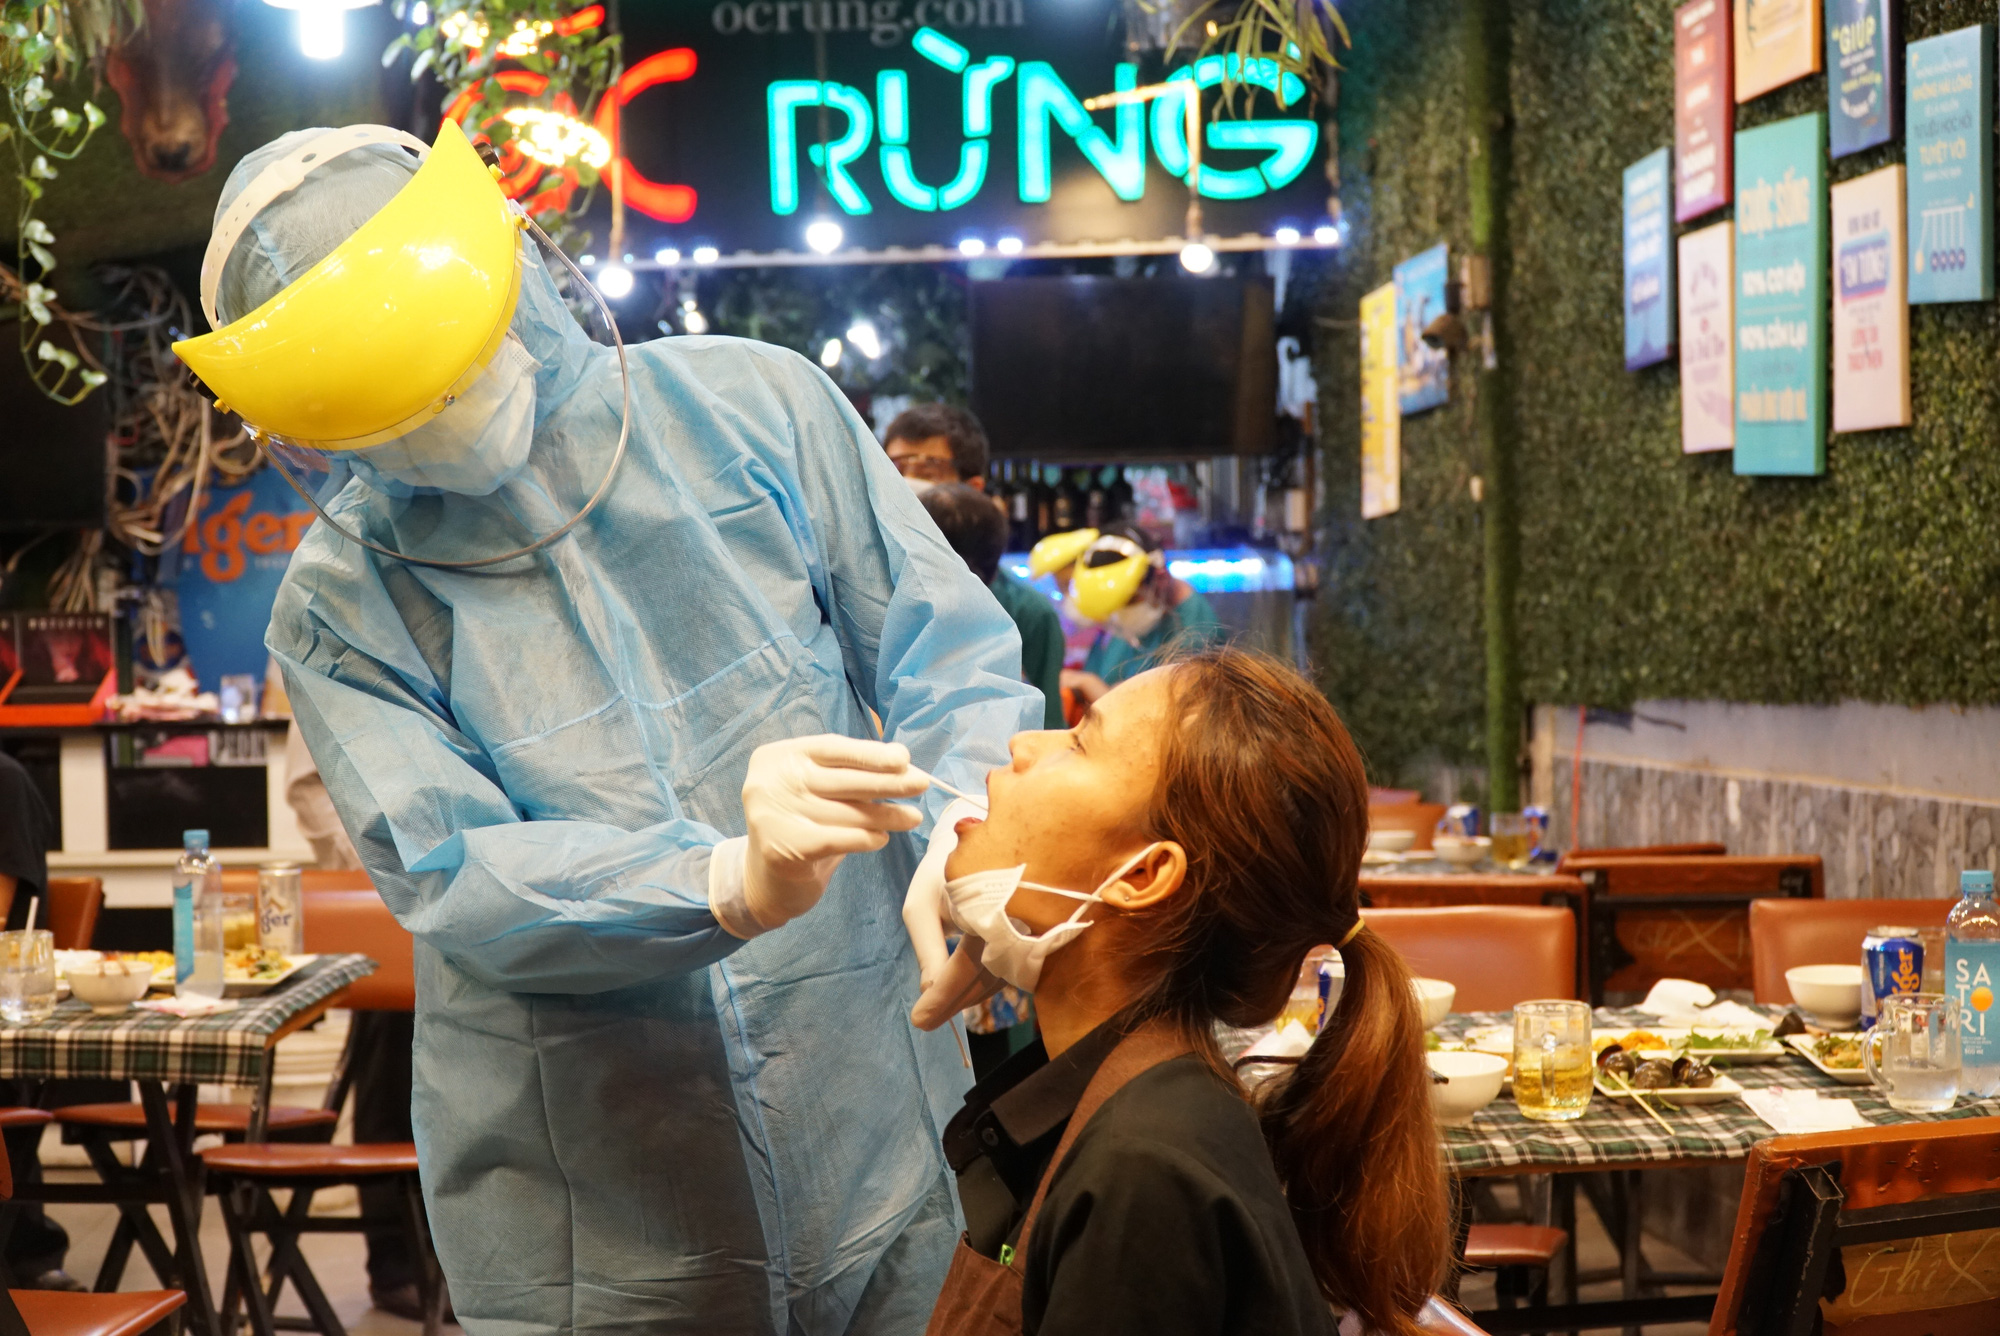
x=1265 y=792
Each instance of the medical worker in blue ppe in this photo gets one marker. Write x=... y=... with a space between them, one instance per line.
x=599 y=781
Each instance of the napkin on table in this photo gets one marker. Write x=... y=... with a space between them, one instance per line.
x=187 y=1006
x=1675 y=997
x=1802 y=1110
x=1290 y=1040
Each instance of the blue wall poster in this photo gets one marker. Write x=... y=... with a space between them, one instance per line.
x=1948 y=133
x=1860 y=74
x=1781 y=263
x=235 y=555
x=1423 y=372
x=1649 y=262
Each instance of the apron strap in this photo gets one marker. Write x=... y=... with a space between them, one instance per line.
x=1136 y=1054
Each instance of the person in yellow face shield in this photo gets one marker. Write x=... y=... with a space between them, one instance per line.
x=586 y=645
x=1120 y=580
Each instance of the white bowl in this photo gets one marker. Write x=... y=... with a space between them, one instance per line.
x=1391 y=841
x=1461 y=850
x=110 y=986
x=1435 y=996
x=1831 y=993
x=1472 y=1081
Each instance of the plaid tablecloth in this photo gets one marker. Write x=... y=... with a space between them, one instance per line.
x=1616 y=1132
x=227 y=1048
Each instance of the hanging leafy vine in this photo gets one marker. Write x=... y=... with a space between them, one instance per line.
x=532 y=76
x=1303 y=37
x=43 y=43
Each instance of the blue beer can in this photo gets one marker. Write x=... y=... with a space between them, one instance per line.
x=1538 y=829
x=1460 y=819
x=1892 y=962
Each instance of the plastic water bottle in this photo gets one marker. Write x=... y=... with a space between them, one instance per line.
x=197 y=919
x=1972 y=975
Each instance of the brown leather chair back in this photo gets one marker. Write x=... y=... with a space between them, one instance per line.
x=1878 y=1231
x=70 y=912
x=354 y=919
x=1422 y=818
x=1784 y=933
x=1495 y=955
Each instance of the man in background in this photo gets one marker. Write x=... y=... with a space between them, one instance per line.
x=940 y=448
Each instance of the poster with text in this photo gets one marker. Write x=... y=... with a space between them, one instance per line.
x=1871 y=321
x=1425 y=372
x=1707 y=274
x=1781 y=259
x=1777 y=41
x=1381 y=414
x=1704 y=107
x=1649 y=263
x=1861 y=63
x=1948 y=133
x=228 y=571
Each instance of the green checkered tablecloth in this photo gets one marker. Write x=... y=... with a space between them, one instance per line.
x=1615 y=1132
x=227 y=1048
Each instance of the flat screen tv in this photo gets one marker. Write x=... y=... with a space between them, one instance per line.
x=1124 y=368
x=51 y=456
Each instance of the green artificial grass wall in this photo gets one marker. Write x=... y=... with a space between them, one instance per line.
x=1645 y=573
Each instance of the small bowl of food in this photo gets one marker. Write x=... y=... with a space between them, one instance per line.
x=1461 y=850
x=1391 y=841
x=1435 y=997
x=110 y=986
x=1830 y=994
x=1471 y=1081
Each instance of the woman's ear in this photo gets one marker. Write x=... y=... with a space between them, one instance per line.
x=1159 y=873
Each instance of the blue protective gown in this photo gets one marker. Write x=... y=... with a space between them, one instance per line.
x=629 y=1121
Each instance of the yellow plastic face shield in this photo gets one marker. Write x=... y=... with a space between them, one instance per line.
x=1058 y=550
x=1097 y=591
x=389 y=328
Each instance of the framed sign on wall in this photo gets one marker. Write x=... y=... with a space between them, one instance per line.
x=1708 y=338
x=1781 y=257
x=1777 y=41
x=1649 y=262
x=1704 y=108
x=1949 y=151
x=1381 y=415
x=1871 y=319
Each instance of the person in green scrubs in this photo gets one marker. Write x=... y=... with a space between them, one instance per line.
x=1165 y=613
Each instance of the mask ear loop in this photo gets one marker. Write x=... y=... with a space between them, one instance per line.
x=611 y=471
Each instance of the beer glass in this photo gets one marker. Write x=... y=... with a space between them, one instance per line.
x=1552 y=1062
x=1919 y=1069
x=27 y=975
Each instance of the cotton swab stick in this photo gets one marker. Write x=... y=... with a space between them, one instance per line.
x=954 y=792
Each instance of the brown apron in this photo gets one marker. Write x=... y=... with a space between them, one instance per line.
x=982 y=1297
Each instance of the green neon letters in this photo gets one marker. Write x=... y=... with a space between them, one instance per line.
x=783 y=100
x=892 y=95
x=1045 y=97
x=1287 y=144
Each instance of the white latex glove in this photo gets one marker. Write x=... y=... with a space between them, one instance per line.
x=962 y=982
x=945 y=976
x=808 y=803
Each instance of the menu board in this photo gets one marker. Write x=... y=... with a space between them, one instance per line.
x=1860 y=75
x=1781 y=258
x=1649 y=263
x=1777 y=41
x=1704 y=106
x=1424 y=371
x=1708 y=372
x=1949 y=148
x=1381 y=415
x=1871 y=321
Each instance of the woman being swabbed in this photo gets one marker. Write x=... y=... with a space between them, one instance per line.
x=1164 y=866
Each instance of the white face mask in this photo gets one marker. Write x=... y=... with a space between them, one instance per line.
x=979 y=903
x=1136 y=620
x=474 y=446
x=920 y=485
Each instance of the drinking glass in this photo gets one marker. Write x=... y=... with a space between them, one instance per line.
x=1513 y=841
x=27 y=975
x=1552 y=1065
x=1918 y=1071
x=1933 y=940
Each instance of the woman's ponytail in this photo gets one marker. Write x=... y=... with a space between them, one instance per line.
x=1356 y=1146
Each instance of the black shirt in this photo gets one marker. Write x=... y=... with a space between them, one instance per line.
x=26 y=830
x=1165 y=1219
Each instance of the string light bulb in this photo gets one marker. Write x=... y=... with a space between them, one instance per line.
x=1197 y=258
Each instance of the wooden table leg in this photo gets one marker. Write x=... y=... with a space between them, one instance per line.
x=1628 y=1189
x=175 y=1137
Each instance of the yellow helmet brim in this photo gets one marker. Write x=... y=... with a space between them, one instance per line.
x=394 y=323
x=1059 y=550
x=1098 y=591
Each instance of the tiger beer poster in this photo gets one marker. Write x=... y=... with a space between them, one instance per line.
x=1381 y=413
x=1777 y=41
x=1871 y=321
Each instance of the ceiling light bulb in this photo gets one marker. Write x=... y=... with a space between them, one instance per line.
x=823 y=235
x=668 y=256
x=322 y=31
x=694 y=322
x=865 y=340
x=971 y=246
x=1286 y=236
x=1008 y=245
x=706 y=255
x=615 y=281
x=1197 y=258
x=420 y=14
x=1326 y=235
x=588 y=261
x=829 y=356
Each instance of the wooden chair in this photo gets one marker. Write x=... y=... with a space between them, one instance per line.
x=1686 y=918
x=1785 y=933
x=1698 y=850
x=243 y=1176
x=1420 y=818
x=59 y=1313
x=1879 y=1231
x=1440 y=890
x=72 y=910
x=1495 y=955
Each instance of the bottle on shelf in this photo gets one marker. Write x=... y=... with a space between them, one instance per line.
x=1972 y=974
x=197 y=919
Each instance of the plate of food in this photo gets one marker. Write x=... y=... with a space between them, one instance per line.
x=246 y=970
x=1736 y=1045
x=1683 y=1080
x=1837 y=1055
